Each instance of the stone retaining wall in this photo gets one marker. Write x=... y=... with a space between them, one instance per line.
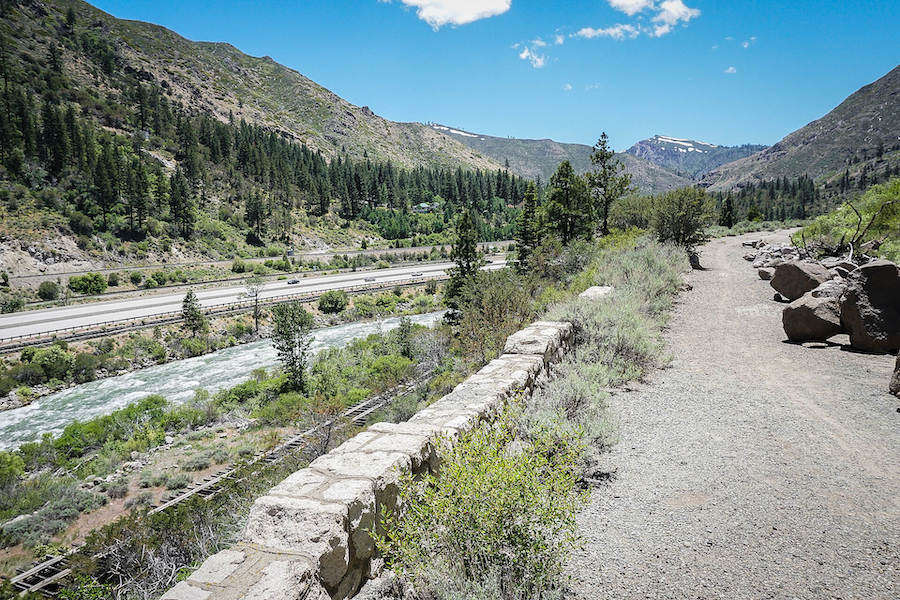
x=308 y=537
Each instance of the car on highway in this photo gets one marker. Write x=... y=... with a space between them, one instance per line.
x=293 y=281
x=369 y=279
x=417 y=275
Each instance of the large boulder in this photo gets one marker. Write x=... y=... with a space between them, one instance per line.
x=833 y=288
x=870 y=308
x=812 y=319
x=793 y=279
x=895 y=380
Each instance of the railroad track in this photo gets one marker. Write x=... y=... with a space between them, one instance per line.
x=45 y=577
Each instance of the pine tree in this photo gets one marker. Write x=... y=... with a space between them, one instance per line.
x=568 y=207
x=527 y=229
x=465 y=254
x=607 y=181
x=192 y=314
x=726 y=218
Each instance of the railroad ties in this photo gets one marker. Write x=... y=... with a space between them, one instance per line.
x=44 y=577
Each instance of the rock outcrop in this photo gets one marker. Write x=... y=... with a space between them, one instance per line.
x=870 y=307
x=793 y=279
x=812 y=319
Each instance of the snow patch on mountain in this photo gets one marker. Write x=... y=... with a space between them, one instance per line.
x=455 y=131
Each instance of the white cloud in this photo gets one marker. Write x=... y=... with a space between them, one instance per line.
x=456 y=12
x=559 y=39
x=715 y=47
x=671 y=13
x=537 y=60
x=538 y=43
x=731 y=70
x=567 y=87
x=631 y=7
x=616 y=32
x=592 y=86
x=746 y=43
x=667 y=15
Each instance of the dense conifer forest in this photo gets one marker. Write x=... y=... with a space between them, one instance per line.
x=123 y=156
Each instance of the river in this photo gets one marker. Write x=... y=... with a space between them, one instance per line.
x=176 y=380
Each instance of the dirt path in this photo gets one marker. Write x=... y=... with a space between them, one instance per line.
x=751 y=468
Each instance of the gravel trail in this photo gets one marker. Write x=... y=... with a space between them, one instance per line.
x=751 y=468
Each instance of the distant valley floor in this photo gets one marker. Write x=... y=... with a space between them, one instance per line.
x=751 y=468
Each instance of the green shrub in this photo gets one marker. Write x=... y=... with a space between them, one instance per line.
x=113 y=279
x=681 y=216
x=117 y=489
x=178 y=481
x=55 y=362
x=516 y=537
x=11 y=303
x=142 y=500
x=198 y=462
x=333 y=301
x=193 y=346
x=826 y=233
x=48 y=290
x=89 y=284
x=85 y=367
x=135 y=277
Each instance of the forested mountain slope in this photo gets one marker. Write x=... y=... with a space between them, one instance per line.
x=860 y=138
x=122 y=141
x=540 y=158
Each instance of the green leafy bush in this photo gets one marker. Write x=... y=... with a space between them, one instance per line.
x=681 y=216
x=48 y=290
x=879 y=210
x=89 y=284
x=333 y=301
x=198 y=462
x=516 y=537
x=178 y=481
x=55 y=362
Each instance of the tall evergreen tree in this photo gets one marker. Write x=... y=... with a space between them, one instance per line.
x=527 y=238
x=192 y=314
x=726 y=218
x=465 y=254
x=568 y=207
x=608 y=181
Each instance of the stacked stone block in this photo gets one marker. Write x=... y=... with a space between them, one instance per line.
x=309 y=537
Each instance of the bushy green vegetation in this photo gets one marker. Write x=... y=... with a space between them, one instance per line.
x=513 y=540
x=333 y=301
x=870 y=224
x=339 y=377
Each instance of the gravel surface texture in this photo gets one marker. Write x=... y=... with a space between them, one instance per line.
x=751 y=468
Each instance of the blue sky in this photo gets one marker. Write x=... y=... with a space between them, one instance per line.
x=727 y=72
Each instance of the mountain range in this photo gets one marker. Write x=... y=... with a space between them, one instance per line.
x=540 y=158
x=103 y=65
x=861 y=134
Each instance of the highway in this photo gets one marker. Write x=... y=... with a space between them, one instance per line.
x=41 y=322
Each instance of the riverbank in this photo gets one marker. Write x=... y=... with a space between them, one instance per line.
x=102 y=469
x=22 y=382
